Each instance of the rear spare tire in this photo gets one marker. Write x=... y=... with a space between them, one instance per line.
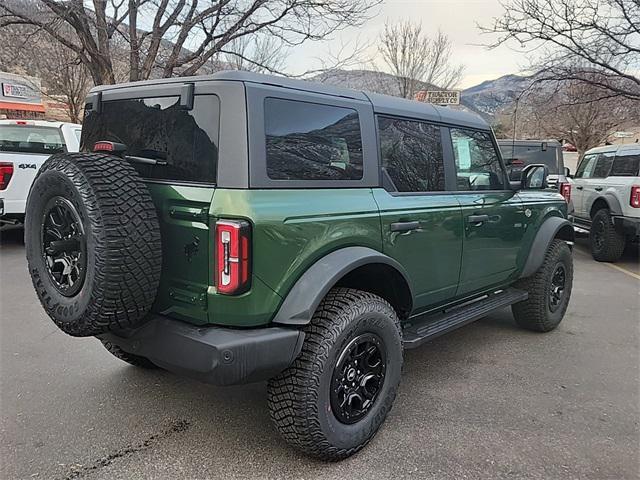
x=93 y=243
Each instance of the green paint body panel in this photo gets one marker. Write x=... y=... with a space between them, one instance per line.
x=446 y=259
x=431 y=255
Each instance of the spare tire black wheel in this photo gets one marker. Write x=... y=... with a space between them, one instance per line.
x=93 y=243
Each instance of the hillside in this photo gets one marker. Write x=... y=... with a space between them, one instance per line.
x=485 y=99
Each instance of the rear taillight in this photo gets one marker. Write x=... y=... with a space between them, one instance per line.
x=103 y=146
x=6 y=172
x=634 y=199
x=233 y=256
x=565 y=191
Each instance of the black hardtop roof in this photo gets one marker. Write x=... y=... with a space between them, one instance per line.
x=383 y=104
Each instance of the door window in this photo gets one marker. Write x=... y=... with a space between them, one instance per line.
x=478 y=164
x=585 y=169
x=411 y=155
x=310 y=141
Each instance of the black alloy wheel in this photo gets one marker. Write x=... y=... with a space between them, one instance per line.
x=358 y=377
x=64 y=246
x=599 y=233
x=557 y=287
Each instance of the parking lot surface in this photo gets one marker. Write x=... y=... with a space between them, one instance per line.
x=487 y=401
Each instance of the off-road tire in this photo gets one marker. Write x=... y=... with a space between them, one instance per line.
x=535 y=313
x=131 y=359
x=123 y=248
x=613 y=242
x=298 y=398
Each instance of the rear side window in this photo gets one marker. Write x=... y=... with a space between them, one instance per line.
x=31 y=139
x=626 y=166
x=158 y=128
x=477 y=162
x=309 y=141
x=411 y=154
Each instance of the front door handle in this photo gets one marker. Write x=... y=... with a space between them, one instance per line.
x=598 y=189
x=477 y=218
x=404 y=226
x=579 y=188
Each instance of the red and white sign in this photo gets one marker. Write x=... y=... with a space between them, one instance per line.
x=15 y=90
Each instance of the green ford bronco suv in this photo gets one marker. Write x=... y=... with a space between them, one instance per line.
x=240 y=227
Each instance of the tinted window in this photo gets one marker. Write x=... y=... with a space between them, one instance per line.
x=477 y=161
x=30 y=139
x=309 y=141
x=603 y=166
x=158 y=128
x=519 y=156
x=412 y=155
x=626 y=166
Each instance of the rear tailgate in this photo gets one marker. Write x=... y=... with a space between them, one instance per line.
x=183 y=212
x=19 y=171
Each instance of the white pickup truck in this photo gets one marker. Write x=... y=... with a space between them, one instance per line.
x=24 y=146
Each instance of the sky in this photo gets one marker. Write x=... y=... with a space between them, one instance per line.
x=457 y=18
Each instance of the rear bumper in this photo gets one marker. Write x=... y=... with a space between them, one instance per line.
x=222 y=356
x=628 y=225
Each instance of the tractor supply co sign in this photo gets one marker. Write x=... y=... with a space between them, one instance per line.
x=439 y=97
x=16 y=91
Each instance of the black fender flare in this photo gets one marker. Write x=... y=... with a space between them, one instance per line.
x=614 y=205
x=550 y=229
x=306 y=294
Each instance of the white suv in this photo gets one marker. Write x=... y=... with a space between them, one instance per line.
x=605 y=195
x=24 y=146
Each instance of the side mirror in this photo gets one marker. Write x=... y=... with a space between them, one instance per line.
x=567 y=172
x=534 y=177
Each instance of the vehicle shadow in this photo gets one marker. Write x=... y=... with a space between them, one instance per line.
x=11 y=235
x=228 y=423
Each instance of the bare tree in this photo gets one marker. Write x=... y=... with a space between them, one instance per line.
x=414 y=58
x=176 y=36
x=572 y=110
x=569 y=39
x=62 y=76
x=261 y=54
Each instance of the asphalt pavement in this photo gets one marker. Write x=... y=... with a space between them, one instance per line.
x=486 y=401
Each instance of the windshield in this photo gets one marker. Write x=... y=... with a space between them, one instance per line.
x=31 y=139
x=516 y=157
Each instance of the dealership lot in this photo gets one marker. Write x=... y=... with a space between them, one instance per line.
x=489 y=400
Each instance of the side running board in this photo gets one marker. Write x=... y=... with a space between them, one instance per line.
x=432 y=326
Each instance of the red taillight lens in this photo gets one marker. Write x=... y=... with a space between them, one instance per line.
x=233 y=256
x=565 y=191
x=103 y=146
x=634 y=199
x=6 y=172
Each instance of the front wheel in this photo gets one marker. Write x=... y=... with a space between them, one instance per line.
x=549 y=290
x=338 y=392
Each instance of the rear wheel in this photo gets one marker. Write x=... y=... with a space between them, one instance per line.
x=549 y=290
x=607 y=244
x=338 y=392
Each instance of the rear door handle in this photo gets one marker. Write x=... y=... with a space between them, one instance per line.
x=404 y=226
x=598 y=189
x=579 y=188
x=477 y=218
